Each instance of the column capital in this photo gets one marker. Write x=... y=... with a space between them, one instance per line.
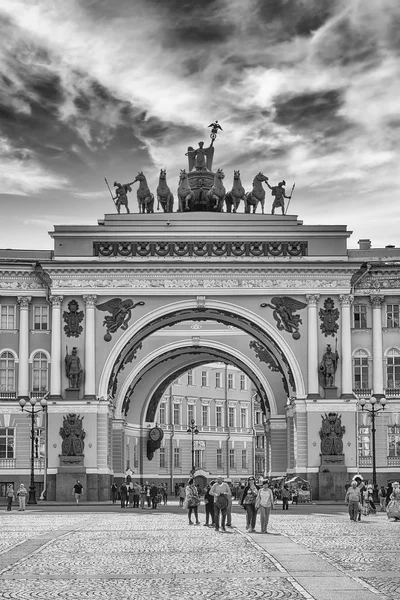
x=346 y=299
x=56 y=301
x=312 y=299
x=24 y=301
x=90 y=300
x=376 y=301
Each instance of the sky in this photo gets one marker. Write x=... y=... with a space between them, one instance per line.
x=305 y=90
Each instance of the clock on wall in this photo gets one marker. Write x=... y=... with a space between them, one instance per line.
x=156 y=434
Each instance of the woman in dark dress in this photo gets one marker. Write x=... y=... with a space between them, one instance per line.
x=249 y=504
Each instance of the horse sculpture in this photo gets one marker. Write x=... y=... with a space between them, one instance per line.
x=185 y=194
x=164 y=195
x=237 y=193
x=256 y=195
x=144 y=196
x=216 y=195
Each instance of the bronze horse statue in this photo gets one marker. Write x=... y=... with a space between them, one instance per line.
x=237 y=193
x=164 y=194
x=185 y=193
x=144 y=196
x=257 y=194
x=216 y=195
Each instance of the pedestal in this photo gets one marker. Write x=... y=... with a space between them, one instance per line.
x=72 y=393
x=330 y=393
x=332 y=478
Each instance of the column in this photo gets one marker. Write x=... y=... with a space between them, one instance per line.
x=347 y=379
x=312 y=345
x=55 y=379
x=377 y=346
x=23 y=371
x=90 y=346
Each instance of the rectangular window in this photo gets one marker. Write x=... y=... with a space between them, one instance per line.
x=243 y=418
x=231 y=416
x=218 y=416
x=190 y=413
x=135 y=457
x=198 y=459
x=204 y=379
x=190 y=377
x=163 y=414
x=7 y=372
x=177 y=458
x=260 y=441
x=204 y=416
x=7 y=442
x=259 y=464
x=361 y=373
x=394 y=440
x=360 y=316
x=242 y=382
x=8 y=320
x=244 y=459
x=392 y=315
x=41 y=317
x=257 y=417
x=230 y=381
x=218 y=380
x=219 y=458
x=393 y=371
x=177 y=414
x=232 y=458
x=364 y=441
x=163 y=461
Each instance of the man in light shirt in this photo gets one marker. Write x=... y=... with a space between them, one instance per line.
x=222 y=496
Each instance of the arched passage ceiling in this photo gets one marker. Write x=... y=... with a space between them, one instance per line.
x=265 y=342
x=194 y=356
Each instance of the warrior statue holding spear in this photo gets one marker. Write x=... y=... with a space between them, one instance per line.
x=279 y=193
x=121 y=197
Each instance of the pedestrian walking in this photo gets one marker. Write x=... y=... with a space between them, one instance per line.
x=165 y=493
x=192 y=501
x=264 y=504
x=130 y=494
x=182 y=494
x=285 y=495
x=9 y=496
x=249 y=504
x=154 y=495
x=382 y=498
x=209 y=505
x=353 y=499
x=123 y=491
x=360 y=485
x=393 y=507
x=229 y=507
x=148 y=496
x=220 y=491
x=114 y=492
x=77 y=491
x=136 y=494
x=142 y=496
x=22 y=493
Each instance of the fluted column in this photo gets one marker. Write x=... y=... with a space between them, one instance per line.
x=347 y=379
x=90 y=344
x=23 y=372
x=312 y=345
x=377 y=345
x=55 y=380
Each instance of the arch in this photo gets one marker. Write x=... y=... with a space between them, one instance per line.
x=392 y=351
x=13 y=352
x=361 y=352
x=206 y=344
x=34 y=352
x=190 y=309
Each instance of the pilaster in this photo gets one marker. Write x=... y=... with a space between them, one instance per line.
x=23 y=372
x=347 y=383
x=377 y=345
x=312 y=345
x=90 y=346
x=55 y=379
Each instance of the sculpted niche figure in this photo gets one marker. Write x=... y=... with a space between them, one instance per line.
x=73 y=369
x=328 y=366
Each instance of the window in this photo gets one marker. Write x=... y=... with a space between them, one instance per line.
x=219 y=458
x=364 y=441
x=244 y=459
x=394 y=440
x=162 y=417
x=204 y=379
x=231 y=417
x=260 y=441
x=190 y=413
x=177 y=414
x=218 y=416
x=177 y=458
x=230 y=381
x=7 y=319
x=392 y=315
x=360 y=370
x=162 y=458
x=232 y=458
x=393 y=368
x=40 y=317
x=360 y=316
x=39 y=372
x=190 y=377
x=218 y=380
x=135 y=457
x=257 y=417
x=204 y=416
x=40 y=442
x=7 y=442
x=198 y=459
x=7 y=372
x=259 y=463
x=243 y=418
x=242 y=382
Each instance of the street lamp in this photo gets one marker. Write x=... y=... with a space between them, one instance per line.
x=31 y=409
x=373 y=411
x=192 y=428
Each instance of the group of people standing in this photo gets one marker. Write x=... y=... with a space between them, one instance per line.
x=360 y=499
x=135 y=495
x=21 y=495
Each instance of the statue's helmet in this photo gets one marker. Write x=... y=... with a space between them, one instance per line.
x=116 y=184
x=201 y=144
x=283 y=182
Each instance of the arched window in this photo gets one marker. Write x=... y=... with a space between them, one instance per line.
x=360 y=370
x=40 y=371
x=393 y=368
x=7 y=372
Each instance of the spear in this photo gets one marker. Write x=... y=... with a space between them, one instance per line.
x=109 y=189
x=290 y=198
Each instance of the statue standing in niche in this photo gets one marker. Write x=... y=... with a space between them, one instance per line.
x=328 y=366
x=73 y=369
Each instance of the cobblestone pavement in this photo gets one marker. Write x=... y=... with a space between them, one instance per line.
x=144 y=555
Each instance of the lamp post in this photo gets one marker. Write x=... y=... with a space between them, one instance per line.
x=373 y=411
x=31 y=409
x=192 y=428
